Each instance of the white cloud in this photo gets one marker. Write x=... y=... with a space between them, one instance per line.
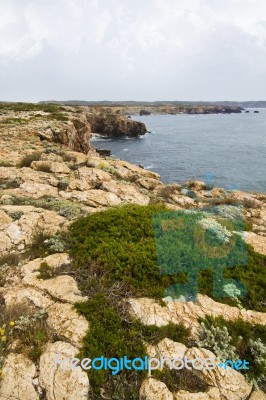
x=175 y=49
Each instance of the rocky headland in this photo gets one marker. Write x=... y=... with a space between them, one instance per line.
x=50 y=176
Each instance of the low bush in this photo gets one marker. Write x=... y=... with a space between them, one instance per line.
x=123 y=241
x=240 y=340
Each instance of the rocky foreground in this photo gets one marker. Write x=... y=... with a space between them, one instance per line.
x=49 y=176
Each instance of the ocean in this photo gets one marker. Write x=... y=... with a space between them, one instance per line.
x=226 y=150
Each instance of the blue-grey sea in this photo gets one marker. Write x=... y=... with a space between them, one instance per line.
x=227 y=150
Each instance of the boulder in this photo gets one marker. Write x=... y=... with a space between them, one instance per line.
x=152 y=389
x=60 y=384
x=66 y=323
x=18 y=375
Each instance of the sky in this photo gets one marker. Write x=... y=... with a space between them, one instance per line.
x=132 y=50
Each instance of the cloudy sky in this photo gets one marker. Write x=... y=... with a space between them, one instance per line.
x=132 y=49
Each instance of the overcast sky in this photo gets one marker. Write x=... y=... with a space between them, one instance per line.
x=132 y=50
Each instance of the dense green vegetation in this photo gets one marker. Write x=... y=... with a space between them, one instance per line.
x=116 y=254
x=128 y=245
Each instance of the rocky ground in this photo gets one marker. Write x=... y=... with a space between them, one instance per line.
x=49 y=176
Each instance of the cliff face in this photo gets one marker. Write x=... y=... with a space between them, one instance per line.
x=114 y=125
x=75 y=134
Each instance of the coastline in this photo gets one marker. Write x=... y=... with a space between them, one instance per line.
x=50 y=177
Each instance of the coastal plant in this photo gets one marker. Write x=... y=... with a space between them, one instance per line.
x=246 y=340
x=218 y=340
x=43 y=245
x=64 y=208
x=258 y=351
x=10 y=183
x=216 y=229
x=55 y=244
x=233 y=292
x=16 y=215
x=45 y=271
x=107 y=168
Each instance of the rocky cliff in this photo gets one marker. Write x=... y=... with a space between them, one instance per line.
x=50 y=176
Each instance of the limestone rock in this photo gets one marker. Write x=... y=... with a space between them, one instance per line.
x=148 y=183
x=26 y=295
x=196 y=185
x=127 y=193
x=58 y=383
x=64 y=320
x=150 y=312
x=152 y=389
x=93 y=176
x=93 y=198
x=19 y=372
x=211 y=394
x=52 y=166
x=62 y=288
x=256 y=241
x=231 y=383
x=258 y=395
x=134 y=169
x=167 y=348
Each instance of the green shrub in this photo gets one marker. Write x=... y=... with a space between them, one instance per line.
x=112 y=335
x=122 y=241
x=46 y=271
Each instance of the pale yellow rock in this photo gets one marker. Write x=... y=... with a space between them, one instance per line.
x=5 y=243
x=18 y=373
x=65 y=322
x=231 y=383
x=62 y=288
x=135 y=169
x=54 y=261
x=256 y=241
x=78 y=184
x=152 y=389
x=26 y=295
x=60 y=384
x=54 y=166
x=127 y=193
x=167 y=348
x=93 y=198
x=150 y=312
x=35 y=190
x=28 y=174
x=258 y=395
x=5 y=220
x=93 y=176
x=148 y=183
x=211 y=394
